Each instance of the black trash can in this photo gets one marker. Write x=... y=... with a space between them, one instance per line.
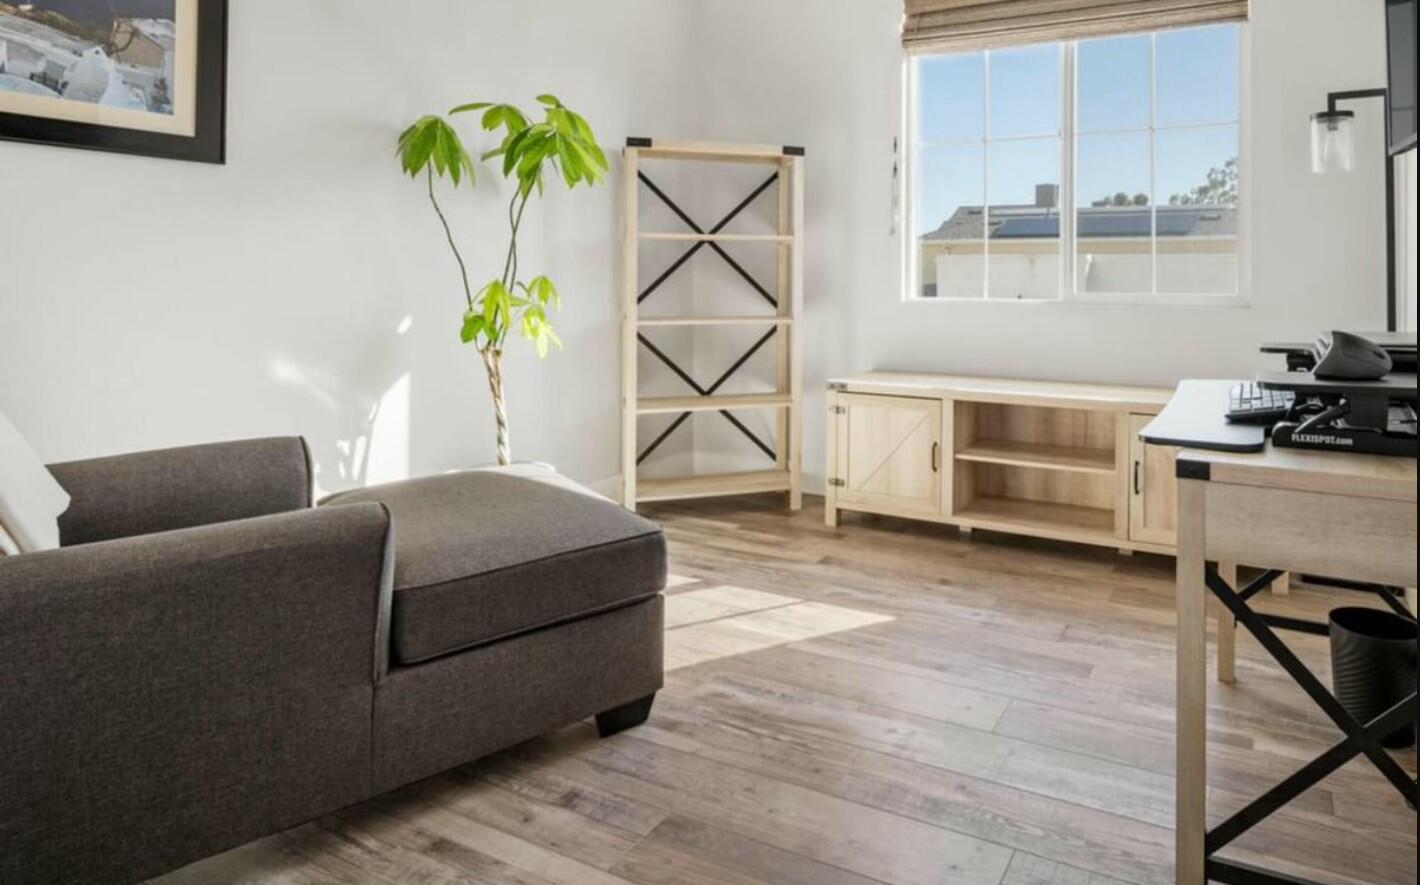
x=1373 y=665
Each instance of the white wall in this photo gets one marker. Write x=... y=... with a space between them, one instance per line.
x=788 y=72
x=146 y=302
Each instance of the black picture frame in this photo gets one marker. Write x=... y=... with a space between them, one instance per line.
x=208 y=144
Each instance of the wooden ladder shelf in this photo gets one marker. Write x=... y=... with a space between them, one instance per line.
x=781 y=327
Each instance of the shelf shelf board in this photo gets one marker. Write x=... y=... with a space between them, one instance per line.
x=1045 y=457
x=1068 y=522
x=762 y=320
x=691 y=237
x=672 y=149
x=652 y=405
x=712 y=485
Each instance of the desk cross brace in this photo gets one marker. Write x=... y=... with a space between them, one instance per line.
x=746 y=275
x=1360 y=739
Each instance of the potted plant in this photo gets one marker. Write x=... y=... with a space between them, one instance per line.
x=562 y=141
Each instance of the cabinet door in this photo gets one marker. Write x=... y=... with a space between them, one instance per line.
x=889 y=454
x=1153 y=488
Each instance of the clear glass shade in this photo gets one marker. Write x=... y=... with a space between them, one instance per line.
x=1333 y=148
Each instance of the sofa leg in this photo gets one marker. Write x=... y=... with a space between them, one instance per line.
x=618 y=719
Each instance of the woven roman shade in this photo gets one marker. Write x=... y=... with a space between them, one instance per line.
x=948 y=25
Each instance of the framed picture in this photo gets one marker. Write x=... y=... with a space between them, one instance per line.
x=135 y=76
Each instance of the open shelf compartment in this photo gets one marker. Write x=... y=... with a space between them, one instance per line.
x=1047 y=471
x=1040 y=437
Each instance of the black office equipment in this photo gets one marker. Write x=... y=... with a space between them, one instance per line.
x=1369 y=417
x=1344 y=356
x=1301 y=356
x=1251 y=403
x=1194 y=419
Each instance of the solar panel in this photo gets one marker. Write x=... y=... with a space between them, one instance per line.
x=1104 y=223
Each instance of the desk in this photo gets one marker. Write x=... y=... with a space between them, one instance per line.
x=1347 y=516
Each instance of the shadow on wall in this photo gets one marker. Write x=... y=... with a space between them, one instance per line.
x=370 y=442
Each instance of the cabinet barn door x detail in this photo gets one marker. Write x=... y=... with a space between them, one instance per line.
x=890 y=454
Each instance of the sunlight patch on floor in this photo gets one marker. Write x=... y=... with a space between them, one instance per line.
x=720 y=622
x=714 y=603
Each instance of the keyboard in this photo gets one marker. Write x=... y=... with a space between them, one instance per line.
x=1251 y=403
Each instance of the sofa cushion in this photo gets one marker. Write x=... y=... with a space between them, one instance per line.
x=483 y=555
x=31 y=499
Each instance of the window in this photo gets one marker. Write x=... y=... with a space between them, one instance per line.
x=1102 y=169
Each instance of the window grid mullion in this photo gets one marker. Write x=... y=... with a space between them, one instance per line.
x=1154 y=164
x=986 y=179
x=1069 y=111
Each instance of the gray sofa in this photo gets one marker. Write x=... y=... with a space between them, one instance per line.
x=209 y=658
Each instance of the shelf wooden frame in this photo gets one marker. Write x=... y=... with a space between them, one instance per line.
x=655 y=405
x=768 y=319
x=713 y=485
x=677 y=237
x=782 y=328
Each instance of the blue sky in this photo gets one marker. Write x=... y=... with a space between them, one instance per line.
x=1197 y=84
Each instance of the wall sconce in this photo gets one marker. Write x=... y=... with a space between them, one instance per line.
x=1333 y=141
x=1334 y=150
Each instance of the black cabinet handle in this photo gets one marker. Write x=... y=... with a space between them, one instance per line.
x=936 y=457
x=1136 y=478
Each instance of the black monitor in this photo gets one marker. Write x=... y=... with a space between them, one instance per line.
x=1400 y=46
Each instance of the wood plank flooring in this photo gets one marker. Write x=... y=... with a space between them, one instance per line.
x=884 y=702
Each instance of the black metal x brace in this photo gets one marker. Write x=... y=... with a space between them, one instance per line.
x=705 y=391
x=690 y=223
x=1359 y=739
x=746 y=275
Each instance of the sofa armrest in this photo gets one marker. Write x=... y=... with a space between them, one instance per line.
x=171 y=696
x=166 y=489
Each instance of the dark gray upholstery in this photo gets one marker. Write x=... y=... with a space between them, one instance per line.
x=170 y=696
x=196 y=668
x=481 y=555
x=146 y=492
x=433 y=716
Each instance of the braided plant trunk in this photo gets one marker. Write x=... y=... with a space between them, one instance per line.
x=493 y=363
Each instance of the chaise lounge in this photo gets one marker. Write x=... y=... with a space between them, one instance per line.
x=208 y=658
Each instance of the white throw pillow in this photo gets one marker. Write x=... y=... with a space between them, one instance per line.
x=31 y=500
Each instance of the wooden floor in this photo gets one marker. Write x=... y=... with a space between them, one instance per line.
x=883 y=702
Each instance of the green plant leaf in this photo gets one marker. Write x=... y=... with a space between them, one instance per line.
x=550 y=100
x=473 y=326
x=417 y=142
x=571 y=172
x=473 y=106
x=432 y=140
x=589 y=166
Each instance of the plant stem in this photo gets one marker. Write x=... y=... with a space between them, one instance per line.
x=493 y=363
x=448 y=232
x=510 y=264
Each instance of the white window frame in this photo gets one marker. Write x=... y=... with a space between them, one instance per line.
x=1069 y=97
